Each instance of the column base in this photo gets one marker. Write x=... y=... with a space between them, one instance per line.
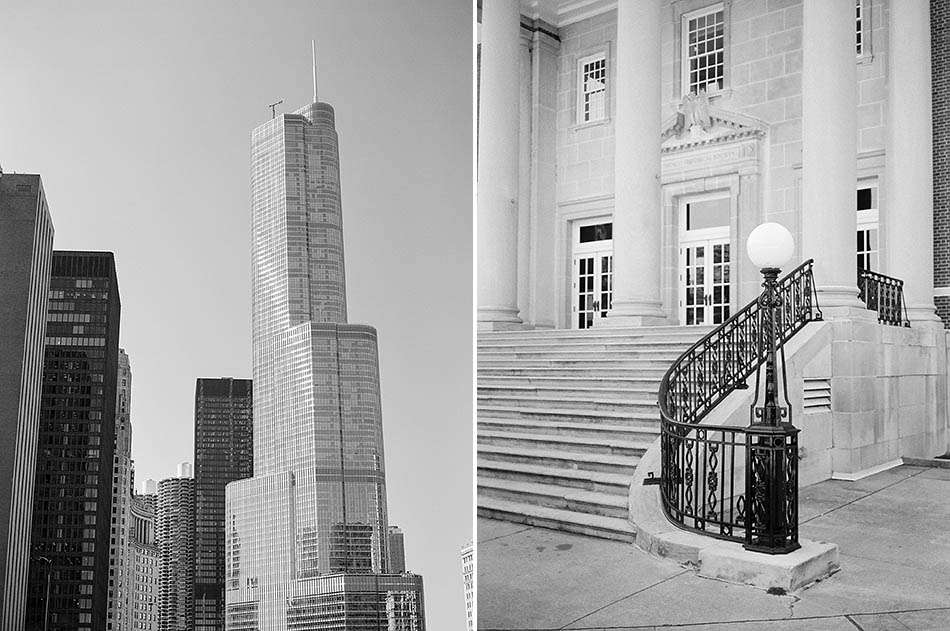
x=498 y=319
x=840 y=302
x=640 y=313
x=923 y=313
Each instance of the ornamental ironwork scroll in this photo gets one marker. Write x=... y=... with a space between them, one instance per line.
x=704 y=486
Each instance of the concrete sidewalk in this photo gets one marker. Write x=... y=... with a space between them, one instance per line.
x=893 y=530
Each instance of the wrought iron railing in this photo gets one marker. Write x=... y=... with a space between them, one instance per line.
x=885 y=295
x=703 y=481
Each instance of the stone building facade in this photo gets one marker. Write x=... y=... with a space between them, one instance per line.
x=561 y=244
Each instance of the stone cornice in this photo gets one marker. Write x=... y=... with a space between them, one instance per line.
x=563 y=12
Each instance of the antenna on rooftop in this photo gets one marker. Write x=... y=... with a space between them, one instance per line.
x=313 y=51
x=273 y=108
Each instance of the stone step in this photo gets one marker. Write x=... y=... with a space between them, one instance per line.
x=515 y=369
x=593 y=357
x=573 y=444
x=593 y=366
x=566 y=414
x=651 y=332
x=633 y=430
x=617 y=384
x=556 y=519
x=628 y=394
x=586 y=480
x=552 y=496
x=602 y=344
x=644 y=405
x=555 y=457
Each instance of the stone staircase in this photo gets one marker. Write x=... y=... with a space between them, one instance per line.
x=563 y=418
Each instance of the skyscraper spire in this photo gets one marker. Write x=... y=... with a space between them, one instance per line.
x=313 y=51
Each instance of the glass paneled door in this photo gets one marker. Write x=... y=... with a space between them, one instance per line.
x=705 y=258
x=592 y=280
x=706 y=289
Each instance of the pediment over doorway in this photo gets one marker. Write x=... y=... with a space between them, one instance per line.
x=690 y=128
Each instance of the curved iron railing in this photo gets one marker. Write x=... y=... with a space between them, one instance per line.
x=703 y=481
x=885 y=295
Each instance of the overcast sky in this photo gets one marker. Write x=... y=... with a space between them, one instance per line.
x=138 y=115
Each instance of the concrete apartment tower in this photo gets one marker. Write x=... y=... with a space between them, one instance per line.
x=72 y=505
x=121 y=577
x=314 y=514
x=224 y=452
x=175 y=536
x=26 y=250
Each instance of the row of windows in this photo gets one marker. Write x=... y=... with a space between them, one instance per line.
x=703 y=53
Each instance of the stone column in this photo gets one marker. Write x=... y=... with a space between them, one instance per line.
x=497 y=190
x=636 y=224
x=829 y=153
x=907 y=215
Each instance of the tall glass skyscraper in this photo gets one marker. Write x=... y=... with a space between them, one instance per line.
x=72 y=502
x=26 y=252
x=223 y=453
x=315 y=511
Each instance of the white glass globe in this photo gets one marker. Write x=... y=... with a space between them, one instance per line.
x=770 y=245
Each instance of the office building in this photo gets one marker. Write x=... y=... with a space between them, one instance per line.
x=468 y=579
x=120 y=575
x=397 y=550
x=175 y=535
x=223 y=453
x=26 y=250
x=72 y=502
x=144 y=564
x=316 y=505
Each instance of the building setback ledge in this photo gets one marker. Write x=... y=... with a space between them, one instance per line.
x=713 y=558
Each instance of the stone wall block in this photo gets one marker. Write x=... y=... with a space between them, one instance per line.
x=785 y=41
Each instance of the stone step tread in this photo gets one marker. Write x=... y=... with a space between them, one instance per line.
x=598 y=359
x=556 y=399
x=557 y=454
x=595 y=522
x=567 y=411
x=606 y=332
x=595 y=378
x=571 y=440
x=560 y=348
x=545 y=424
x=601 y=477
x=552 y=490
x=609 y=343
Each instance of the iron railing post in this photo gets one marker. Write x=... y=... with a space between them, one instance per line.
x=771 y=444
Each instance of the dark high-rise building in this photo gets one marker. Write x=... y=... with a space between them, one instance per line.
x=223 y=453
x=26 y=249
x=397 y=550
x=175 y=535
x=74 y=462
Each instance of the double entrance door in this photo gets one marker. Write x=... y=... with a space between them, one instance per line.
x=592 y=283
x=705 y=260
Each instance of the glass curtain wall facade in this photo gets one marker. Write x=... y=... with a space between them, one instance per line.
x=223 y=453
x=72 y=504
x=317 y=502
x=26 y=252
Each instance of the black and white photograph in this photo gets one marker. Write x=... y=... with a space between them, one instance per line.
x=475 y=315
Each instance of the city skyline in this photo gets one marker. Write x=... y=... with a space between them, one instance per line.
x=140 y=217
